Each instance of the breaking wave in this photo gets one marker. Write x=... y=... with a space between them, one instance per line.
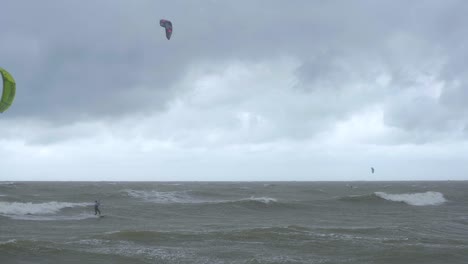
x=162 y=197
x=265 y=200
x=22 y=209
x=184 y=197
x=416 y=199
x=81 y=216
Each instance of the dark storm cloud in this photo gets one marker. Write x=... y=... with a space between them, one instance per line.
x=96 y=59
x=89 y=60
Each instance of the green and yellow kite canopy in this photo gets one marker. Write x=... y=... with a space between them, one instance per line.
x=8 y=90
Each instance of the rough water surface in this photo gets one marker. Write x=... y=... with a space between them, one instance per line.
x=234 y=222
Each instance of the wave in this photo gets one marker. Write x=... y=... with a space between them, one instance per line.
x=22 y=209
x=265 y=200
x=7 y=185
x=10 y=244
x=183 y=197
x=81 y=216
x=415 y=199
x=360 y=198
x=136 y=251
x=245 y=240
x=253 y=200
x=204 y=194
x=11 y=241
x=260 y=233
x=255 y=234
x=162 y=197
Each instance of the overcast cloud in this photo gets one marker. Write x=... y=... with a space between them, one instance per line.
x=244 y=90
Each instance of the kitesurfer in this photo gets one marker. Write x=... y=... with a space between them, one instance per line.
x=96 y=208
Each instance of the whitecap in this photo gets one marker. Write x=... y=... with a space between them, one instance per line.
x=18 y=209
x=418 y=199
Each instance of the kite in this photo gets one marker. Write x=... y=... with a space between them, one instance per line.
x=8 y=88
x=168 y=26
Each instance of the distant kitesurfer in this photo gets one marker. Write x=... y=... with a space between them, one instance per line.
x=96 y=208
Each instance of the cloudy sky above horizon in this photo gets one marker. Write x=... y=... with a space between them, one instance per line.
x=244 y=90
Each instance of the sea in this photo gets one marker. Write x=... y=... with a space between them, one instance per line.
x=234 y=222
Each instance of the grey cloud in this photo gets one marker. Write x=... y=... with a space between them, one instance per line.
x=423 y=113
x=111 y=59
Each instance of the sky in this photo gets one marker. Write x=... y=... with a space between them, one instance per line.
x=245 y=90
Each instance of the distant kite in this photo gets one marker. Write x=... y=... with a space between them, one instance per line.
x=8 y=90
x=372 y=169
x=168 y=26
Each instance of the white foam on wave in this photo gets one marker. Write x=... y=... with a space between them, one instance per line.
x=81 y=216
x=265 y=200
x=184 y=197
x=21 y=209
x=162 y=197
x=11 y=241
x=418 y=199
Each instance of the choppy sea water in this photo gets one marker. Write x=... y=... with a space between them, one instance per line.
x=234 y=222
